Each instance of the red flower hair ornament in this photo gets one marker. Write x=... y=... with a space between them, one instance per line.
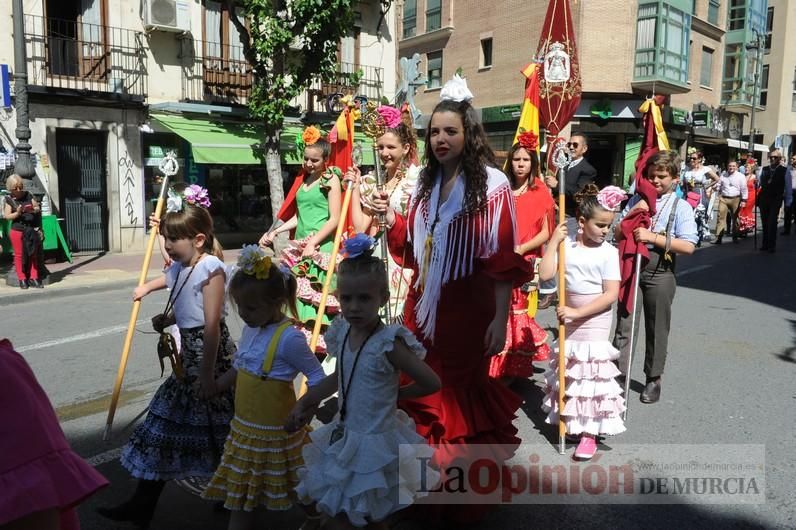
x=528 y=140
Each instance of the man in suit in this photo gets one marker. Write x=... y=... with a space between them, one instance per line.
x=578 y=175
x=770 y=197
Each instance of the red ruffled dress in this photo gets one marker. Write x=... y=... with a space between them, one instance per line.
x=526 y=340
x=38 y=469
x=450 y=316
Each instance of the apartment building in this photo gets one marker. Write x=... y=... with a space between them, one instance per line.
x=690 y=50
x=115 y=84
x=777 y=93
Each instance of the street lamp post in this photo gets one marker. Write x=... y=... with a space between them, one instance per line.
x=757 y=46
x=24 y=165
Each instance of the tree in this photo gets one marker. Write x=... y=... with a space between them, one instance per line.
x=288 y=43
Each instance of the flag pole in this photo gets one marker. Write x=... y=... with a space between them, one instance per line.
x=168 y=166
x=632 y=347
x=561 y=159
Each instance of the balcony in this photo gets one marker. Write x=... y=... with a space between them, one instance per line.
x=365 y=82
x=215 y=73
x=661 y=55
x=89 y=59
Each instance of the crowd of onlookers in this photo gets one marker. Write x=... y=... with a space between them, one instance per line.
x=726 y=198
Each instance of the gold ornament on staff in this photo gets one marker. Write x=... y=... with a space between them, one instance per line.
x=169 y=167
x=374 y=127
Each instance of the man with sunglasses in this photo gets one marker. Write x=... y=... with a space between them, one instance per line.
x=774 y=189
x=578 y=175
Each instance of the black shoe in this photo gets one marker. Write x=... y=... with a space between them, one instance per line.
x=652 y=392
x=36 y=283
x=785 y=233
x=718 y=241
x=23 y=284
x=140 y=508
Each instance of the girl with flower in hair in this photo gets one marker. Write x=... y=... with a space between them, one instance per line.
x=397 y=150
x=354 y=469
x=259 y=466
x=311 y=213
x=526 y=341
x=188 y=418
x=594 y=401
x=458 y=237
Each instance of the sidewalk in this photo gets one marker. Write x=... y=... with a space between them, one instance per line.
x=89 y=273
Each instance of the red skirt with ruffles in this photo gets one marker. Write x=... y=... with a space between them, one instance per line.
x=38 y=469
x=525 y=338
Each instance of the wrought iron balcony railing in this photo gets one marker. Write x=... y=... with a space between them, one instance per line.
x=215 y=72
x=93 y=58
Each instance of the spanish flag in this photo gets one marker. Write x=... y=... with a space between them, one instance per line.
x=529 y=115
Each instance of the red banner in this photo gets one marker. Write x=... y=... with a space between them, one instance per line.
x=559 y=76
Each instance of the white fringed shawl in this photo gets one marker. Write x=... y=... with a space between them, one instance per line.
x=459 y=239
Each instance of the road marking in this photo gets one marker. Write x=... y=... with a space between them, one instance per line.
x=75 y=338
x=104 y=458
x=693 y=270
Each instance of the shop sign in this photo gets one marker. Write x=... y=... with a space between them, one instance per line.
x=701 y=118
x=502 y=113
x=680 y=117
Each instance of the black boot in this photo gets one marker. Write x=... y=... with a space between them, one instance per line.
x=141 y=506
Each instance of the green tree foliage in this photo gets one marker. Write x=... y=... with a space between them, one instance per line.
x=288 y=43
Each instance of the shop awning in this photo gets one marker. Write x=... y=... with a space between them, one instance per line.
x=216 y=141
x=745 y=145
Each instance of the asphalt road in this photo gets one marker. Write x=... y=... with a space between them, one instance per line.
x=729 y=381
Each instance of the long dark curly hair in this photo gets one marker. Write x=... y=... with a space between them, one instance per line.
x=475 y=157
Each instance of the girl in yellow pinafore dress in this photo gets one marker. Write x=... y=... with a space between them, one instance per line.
x=260 y=461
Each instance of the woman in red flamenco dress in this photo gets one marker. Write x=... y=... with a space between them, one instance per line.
x=526 y=340
x=746 y=215
x=458 y=238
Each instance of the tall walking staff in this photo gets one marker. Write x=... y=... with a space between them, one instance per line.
x=633 y=331
x=373 y=125
x=561 y=159
x=168 y=167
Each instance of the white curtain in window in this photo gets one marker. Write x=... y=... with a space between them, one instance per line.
x=213 y=28
x=235 y=45
x=348 y=50
x=91 y=29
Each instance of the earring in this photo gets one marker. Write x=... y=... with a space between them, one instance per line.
x=580 y=231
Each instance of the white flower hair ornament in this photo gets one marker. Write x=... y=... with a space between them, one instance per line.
x=456 y=90
x=253 y=261
x=194 y=194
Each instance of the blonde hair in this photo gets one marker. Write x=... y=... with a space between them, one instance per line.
x=278 y=290
x=13 y=181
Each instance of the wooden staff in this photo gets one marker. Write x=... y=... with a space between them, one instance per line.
x=561 y=159
x=633 y=332
x=128 y=340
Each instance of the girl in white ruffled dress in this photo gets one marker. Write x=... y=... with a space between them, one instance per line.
x=594 y=402
x=353 y=471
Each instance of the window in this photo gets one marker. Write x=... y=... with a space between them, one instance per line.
x=662 y=36
x=764 y=86
x=713 y=11
x=410 y=18
x=486 y=53
x=769 y=28
x=736 y=16
x=433 y=15
x=434 y=70
x=706 y=67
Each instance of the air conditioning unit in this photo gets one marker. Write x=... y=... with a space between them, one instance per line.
x=168 y=15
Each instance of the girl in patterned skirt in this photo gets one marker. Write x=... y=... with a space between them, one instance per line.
x=260 y=459
x=189 y=416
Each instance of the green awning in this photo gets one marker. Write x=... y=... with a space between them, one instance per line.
x=216 y=141
x=228 y=142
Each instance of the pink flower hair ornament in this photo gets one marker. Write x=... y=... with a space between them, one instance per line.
x=610 y=197
x=390 y=115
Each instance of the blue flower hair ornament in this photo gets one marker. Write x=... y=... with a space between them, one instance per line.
x=359 y=245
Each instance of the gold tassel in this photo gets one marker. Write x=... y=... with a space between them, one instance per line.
x=533 y=303
x=429 y=245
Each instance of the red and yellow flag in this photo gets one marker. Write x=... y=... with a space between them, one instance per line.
x=529 y=115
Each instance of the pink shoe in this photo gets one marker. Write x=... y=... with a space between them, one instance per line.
x=586 y=448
